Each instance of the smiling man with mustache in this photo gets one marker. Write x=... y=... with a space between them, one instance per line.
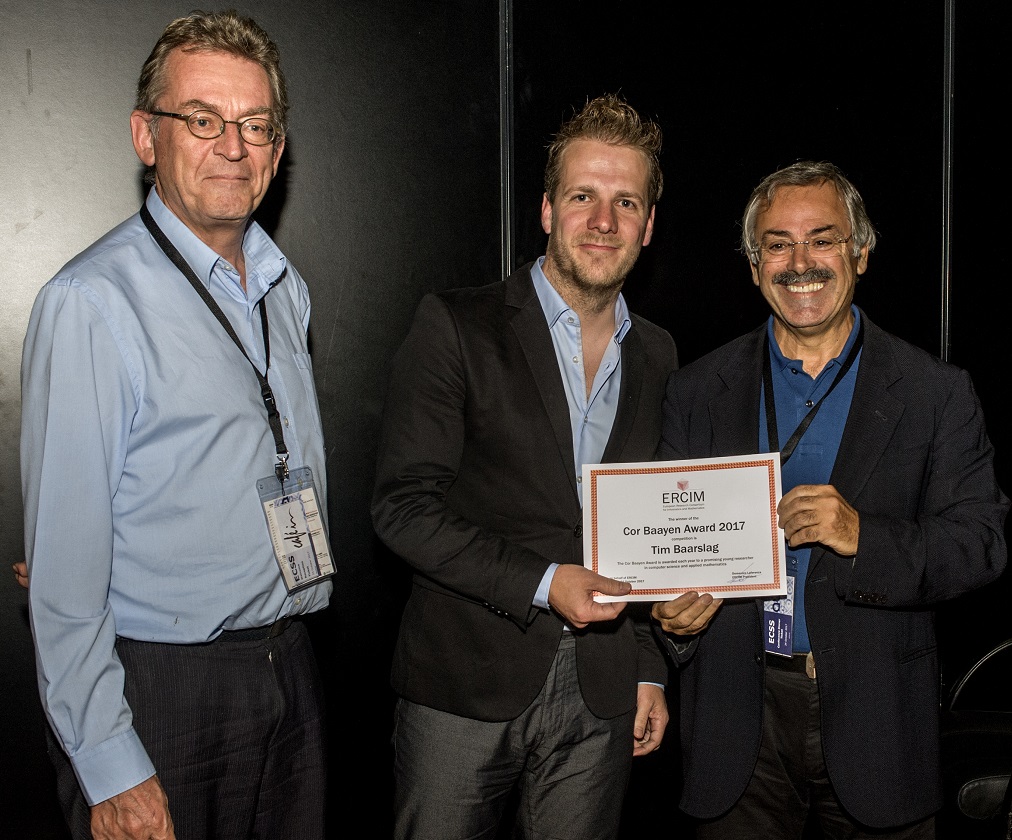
x=890 y=506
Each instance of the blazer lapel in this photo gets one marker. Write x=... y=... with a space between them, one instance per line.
x=527 y=320
x=874 y=415
x=871 y=423
x=734 y=412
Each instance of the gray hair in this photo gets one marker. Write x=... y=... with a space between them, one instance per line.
x=807 y=173
x=226 y=32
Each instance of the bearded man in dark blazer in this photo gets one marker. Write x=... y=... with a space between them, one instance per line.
x=510 y=676
x=890 y=507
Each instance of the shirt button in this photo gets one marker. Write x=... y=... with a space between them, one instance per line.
x=572 y=320
x=809 y=403
x=794 y=371
x=286 y=422
x=579 y=479
x=298 y=601
x=576 y=360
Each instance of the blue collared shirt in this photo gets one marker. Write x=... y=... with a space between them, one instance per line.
x=591 y=418
x=143 y=436
x=812 y=462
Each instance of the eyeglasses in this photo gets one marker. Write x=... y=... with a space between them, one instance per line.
x=208 y=125
x=778 y=250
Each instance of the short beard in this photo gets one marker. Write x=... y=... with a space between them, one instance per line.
x=595 y=295
x=792 y=278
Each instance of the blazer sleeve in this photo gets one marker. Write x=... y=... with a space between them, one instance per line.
x=932 y=516
x=421 y=448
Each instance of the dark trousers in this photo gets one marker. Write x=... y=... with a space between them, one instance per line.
x=235 y=731
x=454 y=775
x=790 y=784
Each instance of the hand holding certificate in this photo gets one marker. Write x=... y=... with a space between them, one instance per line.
x=707 y=525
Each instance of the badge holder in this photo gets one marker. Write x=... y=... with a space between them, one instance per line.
x=778 y=620
x=296 y=528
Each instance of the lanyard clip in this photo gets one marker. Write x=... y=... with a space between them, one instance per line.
x=281 y=468
x=268 y=397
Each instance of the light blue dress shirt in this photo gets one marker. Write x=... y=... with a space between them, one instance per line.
x=143 y=436
x=591 y=418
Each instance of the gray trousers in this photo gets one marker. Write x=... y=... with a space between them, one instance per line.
x=566 y=769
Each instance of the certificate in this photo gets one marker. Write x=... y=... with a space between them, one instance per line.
x=670 y=527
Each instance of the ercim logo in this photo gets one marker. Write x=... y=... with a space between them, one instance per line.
x=684 y=496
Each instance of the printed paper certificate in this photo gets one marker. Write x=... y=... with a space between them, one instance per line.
x=670 y=527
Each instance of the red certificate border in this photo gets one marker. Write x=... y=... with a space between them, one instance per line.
x=728 y=589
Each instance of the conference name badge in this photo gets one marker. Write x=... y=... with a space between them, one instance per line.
x=296 y=528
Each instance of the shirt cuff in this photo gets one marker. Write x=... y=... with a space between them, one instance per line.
x=112 y=767
x=541 y=596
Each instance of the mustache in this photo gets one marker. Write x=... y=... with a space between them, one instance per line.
x=792 y=278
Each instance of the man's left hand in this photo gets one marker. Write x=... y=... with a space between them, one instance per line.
x=21 y=573
x=651 y=718
x=817 y=513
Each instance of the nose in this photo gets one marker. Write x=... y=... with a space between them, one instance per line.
x=230 y=143
x=603 y=218
x=800 y=259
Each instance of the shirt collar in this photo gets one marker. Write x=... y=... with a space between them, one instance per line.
x=264 y=261
x=555 y=307
x=781 y=362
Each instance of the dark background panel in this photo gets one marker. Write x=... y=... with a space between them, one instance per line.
x=739 y=94
x=980 y=298
x=390 y=188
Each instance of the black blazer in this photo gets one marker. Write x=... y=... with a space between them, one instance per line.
x=476 y=490
x=916 y=463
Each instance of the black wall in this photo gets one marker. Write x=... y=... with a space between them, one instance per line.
x=390 y=188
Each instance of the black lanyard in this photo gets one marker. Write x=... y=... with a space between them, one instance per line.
x=771 y=406
x=273 y=417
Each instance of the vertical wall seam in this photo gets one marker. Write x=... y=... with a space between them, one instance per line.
x=506 y=157
x=947 y=118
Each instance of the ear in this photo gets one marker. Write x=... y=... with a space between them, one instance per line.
x=649 y=232
x=755 y=272
x=279 y=147
x=546 y=214
x=140 y=132
x=862 y=261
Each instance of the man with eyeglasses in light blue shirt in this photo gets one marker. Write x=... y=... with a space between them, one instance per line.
x=174 y=477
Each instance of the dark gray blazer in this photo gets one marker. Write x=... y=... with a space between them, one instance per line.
x=476 y=490
x=916 y=463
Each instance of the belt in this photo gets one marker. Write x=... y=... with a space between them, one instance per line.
x=799 y=663
x=268 y=631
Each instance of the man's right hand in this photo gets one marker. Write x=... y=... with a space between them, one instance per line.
x=140 y=813
x=571 y=595
x=687 y=614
